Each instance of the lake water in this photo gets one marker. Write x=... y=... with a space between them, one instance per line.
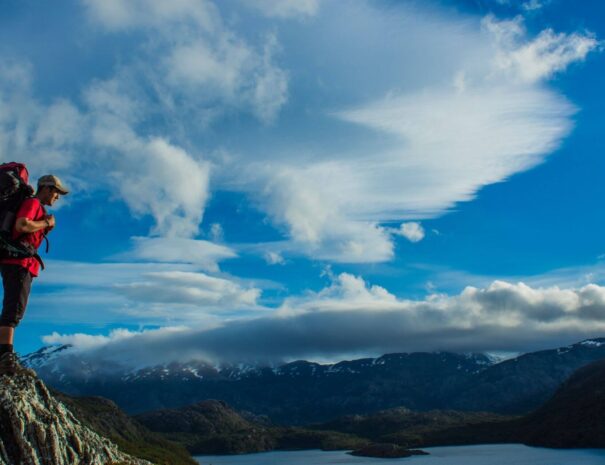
x=498 y=454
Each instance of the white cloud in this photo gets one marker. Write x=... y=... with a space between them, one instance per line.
x=179 y=250
x=89 y=344
x=270 y=91
x=451 y=281
x=150 y=174
x=533 y=5
x=429 y=144
x=87 y=275
x=231 y=71
x=216 y=232
x=285 y=8
x=346 y=293
x=352 y=317
x=463 y=141
x=117 y=98
x=412 y=231
x=207 y=70
x=59 y=127
x=82 y=341
x=179 y=287
x=169 y=184
x=538 y=58
x=204 y=66
x=148 y=293
x=306 y=202
x=39 y=135
x=274 y=258
x=126 y=14
x=428 y=132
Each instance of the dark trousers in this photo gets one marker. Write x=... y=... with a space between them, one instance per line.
x=17 y=282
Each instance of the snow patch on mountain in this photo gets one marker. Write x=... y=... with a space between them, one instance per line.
x=593 y=342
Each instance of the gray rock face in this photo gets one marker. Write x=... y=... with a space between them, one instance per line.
x=36 y=429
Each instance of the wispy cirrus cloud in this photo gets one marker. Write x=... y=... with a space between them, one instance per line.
x=475 y=119
x=285 y=8
x=31 y=131
x=116 y=15
x=180 y=287
x=203 y=63
x=465 y=141
x=533 y=5
x=205 y=254
x=539 y=58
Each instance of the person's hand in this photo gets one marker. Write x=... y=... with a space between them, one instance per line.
x=50 y=221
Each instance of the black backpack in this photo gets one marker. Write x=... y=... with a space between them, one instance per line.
x=14 y=189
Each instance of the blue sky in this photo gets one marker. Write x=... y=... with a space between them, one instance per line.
x=311 y=179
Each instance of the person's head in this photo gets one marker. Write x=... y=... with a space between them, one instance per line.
x=50 y=188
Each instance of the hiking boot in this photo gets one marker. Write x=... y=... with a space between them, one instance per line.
x=9 y=365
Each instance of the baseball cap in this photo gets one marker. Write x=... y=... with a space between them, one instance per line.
x=54 y=181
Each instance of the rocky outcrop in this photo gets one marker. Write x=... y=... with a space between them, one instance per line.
x=36 y=429
x=105 y=418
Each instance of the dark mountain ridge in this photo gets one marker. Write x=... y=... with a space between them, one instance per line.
x=304 y=392
x=573 y=417
x=213 y=427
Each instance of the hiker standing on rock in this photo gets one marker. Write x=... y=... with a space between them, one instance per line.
x=31 y=225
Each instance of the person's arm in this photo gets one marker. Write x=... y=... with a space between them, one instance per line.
x=25 y=225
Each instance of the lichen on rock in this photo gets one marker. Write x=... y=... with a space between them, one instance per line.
x=37 y=429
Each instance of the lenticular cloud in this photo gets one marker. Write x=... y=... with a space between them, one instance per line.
x=467 y=118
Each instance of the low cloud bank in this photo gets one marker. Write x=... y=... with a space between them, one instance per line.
x=350 y=317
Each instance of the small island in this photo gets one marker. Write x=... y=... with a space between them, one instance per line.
x=386 y=451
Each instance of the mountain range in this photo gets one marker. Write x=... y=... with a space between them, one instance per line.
x=571 y=418
x=304 y=392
